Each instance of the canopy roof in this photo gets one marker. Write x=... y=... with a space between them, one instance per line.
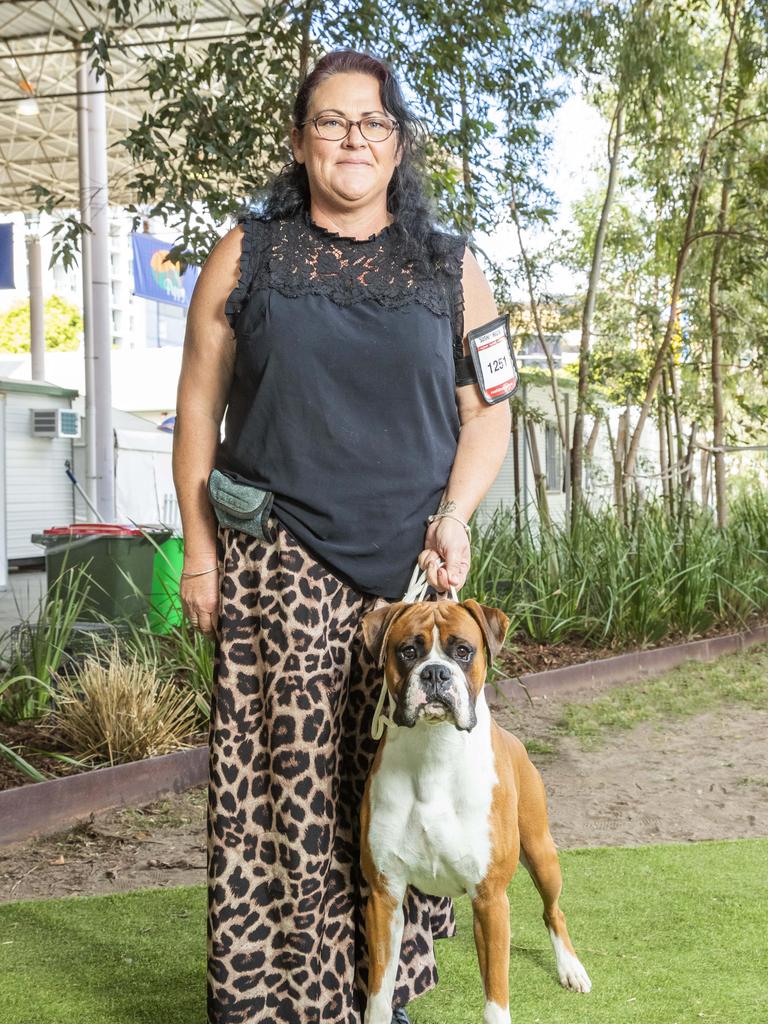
x=40 y=48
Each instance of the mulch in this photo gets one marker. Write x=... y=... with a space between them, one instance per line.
x=37 y=735
x=522 y=657
x=41 y=736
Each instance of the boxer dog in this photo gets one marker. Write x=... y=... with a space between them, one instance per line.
x=452 y=801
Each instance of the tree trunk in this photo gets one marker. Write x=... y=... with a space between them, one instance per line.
x=593 y=436
x=663 y=460
x=672 y=467
x=677 y=454
x=468 y=211
x=540 y=479
x=306 y=39
x=718 y=408
x=682 y=255
x=588 y=315
x=687 y=488
x=539 y=330
x=516 y=465
x=705 y=478
x=618 y=476
x=589 y=451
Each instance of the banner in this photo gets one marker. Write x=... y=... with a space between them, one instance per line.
x=155 y=277
x=6 y=256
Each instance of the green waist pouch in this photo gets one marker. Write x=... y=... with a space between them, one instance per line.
x=241 y=506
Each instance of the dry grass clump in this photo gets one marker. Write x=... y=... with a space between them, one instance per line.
x=117 y=709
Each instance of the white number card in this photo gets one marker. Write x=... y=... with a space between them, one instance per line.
x=494 y=360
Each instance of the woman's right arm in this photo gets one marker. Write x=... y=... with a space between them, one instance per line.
x=206 y=373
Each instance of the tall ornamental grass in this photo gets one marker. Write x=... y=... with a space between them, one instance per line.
x=118 y=709
x=612 y=585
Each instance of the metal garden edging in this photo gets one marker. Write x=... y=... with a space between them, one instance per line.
x=623 y=668
x=44 y=807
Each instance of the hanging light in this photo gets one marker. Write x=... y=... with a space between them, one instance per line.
x=28 y=106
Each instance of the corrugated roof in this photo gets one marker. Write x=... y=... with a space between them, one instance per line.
x=40 y=47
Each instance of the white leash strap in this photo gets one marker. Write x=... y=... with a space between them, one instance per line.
x=379 y=718
x=417 y=590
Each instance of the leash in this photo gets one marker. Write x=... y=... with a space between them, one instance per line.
x=416 y=591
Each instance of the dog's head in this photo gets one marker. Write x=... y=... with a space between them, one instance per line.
x=435 y=656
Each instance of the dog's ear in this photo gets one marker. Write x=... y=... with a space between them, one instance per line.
x=494 y=624
x=376 y=627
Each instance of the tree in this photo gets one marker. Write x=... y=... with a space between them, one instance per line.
x=63 y=327
x=735 y=18
x=632 y=60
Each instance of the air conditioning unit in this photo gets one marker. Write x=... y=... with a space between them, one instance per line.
x=55 y=423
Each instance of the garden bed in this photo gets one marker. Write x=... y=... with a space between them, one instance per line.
x=27 y=811
x=522 y=656
x=76 y=794
x=38 y=736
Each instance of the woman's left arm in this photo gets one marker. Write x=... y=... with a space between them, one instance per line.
x=483 y=443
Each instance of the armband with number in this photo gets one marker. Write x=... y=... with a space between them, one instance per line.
x=491 y=361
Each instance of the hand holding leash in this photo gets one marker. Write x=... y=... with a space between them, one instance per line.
x=446 y=554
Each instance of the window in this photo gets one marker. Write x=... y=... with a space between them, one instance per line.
x=554 y=458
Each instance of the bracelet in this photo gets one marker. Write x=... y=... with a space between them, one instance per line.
x=203 y=573
x=447 y=515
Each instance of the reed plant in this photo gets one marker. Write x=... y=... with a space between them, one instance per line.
x=181 y=654
x=118 y=709
x=33 y=654
x=614 y=585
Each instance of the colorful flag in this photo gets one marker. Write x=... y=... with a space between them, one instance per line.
x=155 y=276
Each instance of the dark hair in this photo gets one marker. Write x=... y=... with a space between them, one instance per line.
x=407 y=195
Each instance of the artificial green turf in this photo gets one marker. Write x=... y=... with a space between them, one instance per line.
x=669 y=935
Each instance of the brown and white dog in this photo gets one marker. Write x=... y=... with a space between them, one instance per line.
x=452 y=801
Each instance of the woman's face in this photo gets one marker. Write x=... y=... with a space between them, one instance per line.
x=352 y=172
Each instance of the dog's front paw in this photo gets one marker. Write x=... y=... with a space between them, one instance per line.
x=573 y=976
x=495 y=1014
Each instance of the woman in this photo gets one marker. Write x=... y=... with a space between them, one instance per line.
x=340 y=389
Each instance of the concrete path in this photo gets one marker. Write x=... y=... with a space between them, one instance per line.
x=25 y=588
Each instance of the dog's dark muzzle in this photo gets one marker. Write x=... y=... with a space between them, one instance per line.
x=436 y=682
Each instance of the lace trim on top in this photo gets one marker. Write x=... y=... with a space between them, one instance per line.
x=298 y=257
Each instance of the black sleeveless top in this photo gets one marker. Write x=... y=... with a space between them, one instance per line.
x=343 y=400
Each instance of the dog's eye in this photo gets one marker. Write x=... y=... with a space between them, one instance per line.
x=408 y=653
x=462 y=651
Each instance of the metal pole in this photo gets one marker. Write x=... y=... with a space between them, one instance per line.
x=98 y=208
x=86 y=271
x=36 y=307
x=525 y=452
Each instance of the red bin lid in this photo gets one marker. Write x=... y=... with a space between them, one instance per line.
x=93 y=529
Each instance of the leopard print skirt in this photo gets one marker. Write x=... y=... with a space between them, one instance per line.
x=290 y=749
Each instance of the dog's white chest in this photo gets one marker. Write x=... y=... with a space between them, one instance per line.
x=430 y=807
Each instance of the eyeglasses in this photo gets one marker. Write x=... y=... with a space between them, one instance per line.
x=334 y=127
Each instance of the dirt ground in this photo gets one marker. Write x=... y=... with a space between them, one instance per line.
x=703 y=777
